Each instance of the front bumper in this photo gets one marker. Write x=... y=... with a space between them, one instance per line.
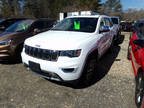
x=65 y=69
x=4 y=51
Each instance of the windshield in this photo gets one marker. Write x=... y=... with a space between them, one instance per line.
x=77 y=25
x=115 y=20
x=140 y=30
x=19 y=26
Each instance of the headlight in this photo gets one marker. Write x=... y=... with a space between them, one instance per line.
x=70 y=53
x=5 y=42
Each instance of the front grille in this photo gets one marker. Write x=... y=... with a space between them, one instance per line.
x=39 y=53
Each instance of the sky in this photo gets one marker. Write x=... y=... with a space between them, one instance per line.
x=138 y=4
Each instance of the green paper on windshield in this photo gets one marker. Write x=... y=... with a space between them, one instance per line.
x=24 y=27
x=77 y=25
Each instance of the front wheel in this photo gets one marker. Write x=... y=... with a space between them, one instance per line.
x=139 y=90
x=89 y=71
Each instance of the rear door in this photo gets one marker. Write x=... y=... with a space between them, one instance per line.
x=111 y=32
x=104 y=40
x=134 y=53
x=107 y=35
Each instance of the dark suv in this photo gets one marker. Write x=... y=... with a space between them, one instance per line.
x=11 y=41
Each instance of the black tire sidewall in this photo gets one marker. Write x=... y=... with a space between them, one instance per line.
x=92 y=61
x=138 y=89
x=128 y=53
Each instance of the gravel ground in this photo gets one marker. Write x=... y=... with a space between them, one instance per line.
x=20 y=88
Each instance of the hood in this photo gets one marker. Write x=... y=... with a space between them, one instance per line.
x=7 y=35
x=58 y=40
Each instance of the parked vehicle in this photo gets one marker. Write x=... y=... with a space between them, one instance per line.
x=136 y=54
x=123 y=25
x=11 y=41
x=136 y=25
x=5 y=23
x=70 y=50
x=116 y=22
x=127 y=26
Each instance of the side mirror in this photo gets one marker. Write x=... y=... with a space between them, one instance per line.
x=139 y=42
x=105 y=29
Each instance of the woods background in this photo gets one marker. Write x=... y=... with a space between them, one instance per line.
x=52 y=8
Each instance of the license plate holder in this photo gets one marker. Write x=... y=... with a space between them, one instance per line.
x=34 y=66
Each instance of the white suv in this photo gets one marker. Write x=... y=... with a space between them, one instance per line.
x=69 y=50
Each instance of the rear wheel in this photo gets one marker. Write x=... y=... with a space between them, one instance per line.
x=112 y=46
x=116 y=40
x=128 y=54
x=139 y=90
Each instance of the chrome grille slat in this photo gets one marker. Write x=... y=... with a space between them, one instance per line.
x=39 y=53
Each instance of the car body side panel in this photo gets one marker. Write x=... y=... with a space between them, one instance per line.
x=136 y=54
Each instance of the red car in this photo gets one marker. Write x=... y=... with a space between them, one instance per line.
x=136 y=55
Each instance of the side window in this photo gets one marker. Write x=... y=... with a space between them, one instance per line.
x=107 y=23
x=111 y=23
x=102 y=23
x=140 y=32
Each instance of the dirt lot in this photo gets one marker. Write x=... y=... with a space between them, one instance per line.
x=20 y=88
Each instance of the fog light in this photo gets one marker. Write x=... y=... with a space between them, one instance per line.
x=68 y=70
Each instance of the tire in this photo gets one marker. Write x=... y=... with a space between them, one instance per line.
x=120 y=32
x=88 y=73
x=111 y=46
x=17 y=55
x=128 y=54
x=139 y=90
x=116 y=40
